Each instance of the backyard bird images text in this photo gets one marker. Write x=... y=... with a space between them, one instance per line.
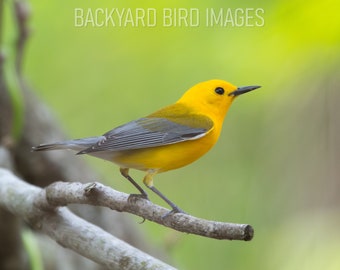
x=168 y=17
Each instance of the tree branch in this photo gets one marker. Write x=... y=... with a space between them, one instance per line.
x=64 y=193
x=69 y=230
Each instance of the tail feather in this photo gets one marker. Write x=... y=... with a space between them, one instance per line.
x=49 y=146
x=77 y=145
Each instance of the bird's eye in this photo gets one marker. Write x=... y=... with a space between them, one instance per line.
x=219 y=90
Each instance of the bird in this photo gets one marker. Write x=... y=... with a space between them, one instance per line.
x=170 y=138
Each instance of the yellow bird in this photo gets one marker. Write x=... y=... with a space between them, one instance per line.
x=167 y=139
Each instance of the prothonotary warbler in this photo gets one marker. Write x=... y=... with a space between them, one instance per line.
x=167 y=139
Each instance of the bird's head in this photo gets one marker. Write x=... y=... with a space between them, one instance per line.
x=213 y=97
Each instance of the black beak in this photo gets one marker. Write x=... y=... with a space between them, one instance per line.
x=242 y=90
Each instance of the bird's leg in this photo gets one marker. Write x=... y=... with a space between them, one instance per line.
x=125 y=173
x=149 y=183
x=175 y=208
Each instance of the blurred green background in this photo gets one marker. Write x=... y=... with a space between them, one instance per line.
x=276 y=163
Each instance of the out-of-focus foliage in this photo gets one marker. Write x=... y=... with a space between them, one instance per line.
x=276 y=163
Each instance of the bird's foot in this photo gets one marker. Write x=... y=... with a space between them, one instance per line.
x=135 y=197
x=175 y=210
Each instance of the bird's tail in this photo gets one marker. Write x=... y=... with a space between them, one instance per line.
x=77 y=145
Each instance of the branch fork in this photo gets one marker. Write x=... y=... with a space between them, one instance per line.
x=44 y=210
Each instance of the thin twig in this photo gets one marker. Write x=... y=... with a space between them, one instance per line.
x=22 y=14
x=2 y=3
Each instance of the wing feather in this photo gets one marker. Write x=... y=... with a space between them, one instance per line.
x=151 y=132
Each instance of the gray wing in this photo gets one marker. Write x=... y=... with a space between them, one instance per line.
x=148 y=132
